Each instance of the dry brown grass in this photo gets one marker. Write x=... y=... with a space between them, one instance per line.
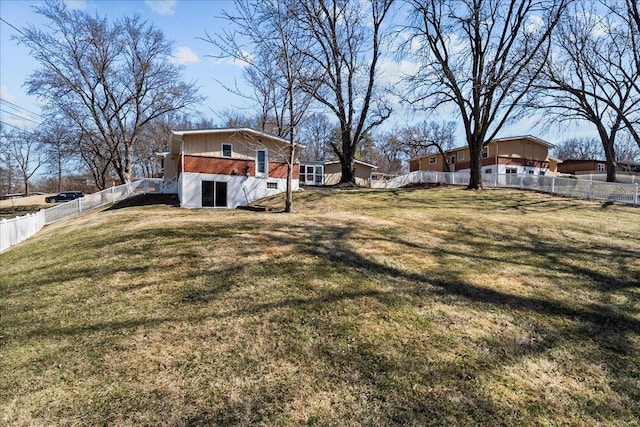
x=407 y=307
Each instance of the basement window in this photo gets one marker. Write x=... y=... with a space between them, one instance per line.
x=272 y=185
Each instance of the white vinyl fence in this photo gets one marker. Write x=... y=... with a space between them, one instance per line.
x=580 y=188
x=15 y=230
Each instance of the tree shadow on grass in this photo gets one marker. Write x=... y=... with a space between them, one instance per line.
x=146 y=200
x=391 y=398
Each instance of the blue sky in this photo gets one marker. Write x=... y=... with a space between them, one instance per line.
x=184 y=22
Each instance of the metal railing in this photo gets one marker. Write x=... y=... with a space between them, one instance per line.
x=15 y=230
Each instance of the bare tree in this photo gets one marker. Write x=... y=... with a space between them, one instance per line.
x=24 y=150
x=428 y=136
x=579 y=149
x=277 y=64
x=627 y=151
x=629 y=17
x=60 y=143
x=590 y=76
x=317 y=133
x=110 y=79
x=479 y=57
x=390 y=153
x=344 y=40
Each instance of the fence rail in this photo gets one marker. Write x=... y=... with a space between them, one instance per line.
x=15 y=230
x=579 y=188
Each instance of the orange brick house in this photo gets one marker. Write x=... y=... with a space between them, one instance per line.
x=226 y=168
x=517 y=155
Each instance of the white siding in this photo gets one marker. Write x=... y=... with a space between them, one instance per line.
x=241 y=190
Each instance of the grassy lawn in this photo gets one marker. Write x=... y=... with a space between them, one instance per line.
x=404 y=307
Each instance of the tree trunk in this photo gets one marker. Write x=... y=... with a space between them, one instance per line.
x=475 y=163
x=608 y=141
x=347 y=158
x=288 y=200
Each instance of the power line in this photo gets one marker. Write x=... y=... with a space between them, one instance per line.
x=9 y=124
x=16 y=106
x=19 y=116
x=12 y=26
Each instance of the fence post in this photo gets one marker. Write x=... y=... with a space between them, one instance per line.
x=495 y=180
x=635 y=194
x=80 y=205
x=145 y=187
x=553 y=185
x=589 y=186
x=521 y=182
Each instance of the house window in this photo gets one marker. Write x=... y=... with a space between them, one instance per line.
x=542 y=173
x=261 y=163
x=488 y=170
x=214 y=194
x=432 y=160
x=485 y=152
x=532 y=172
x=460 y=155
x=511 y=170
x=601 y=167
x=319 y=174
x=227 y=150
x=453 y=160
x=272 y=185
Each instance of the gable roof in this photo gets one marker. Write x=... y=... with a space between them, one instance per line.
x=496 y=140
x=178 y=134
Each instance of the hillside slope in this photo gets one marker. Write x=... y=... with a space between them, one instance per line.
x=404 y=307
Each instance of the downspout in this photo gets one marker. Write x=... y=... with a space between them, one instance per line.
x=182 y=172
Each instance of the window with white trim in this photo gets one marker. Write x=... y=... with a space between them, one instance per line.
x=485 y=152
x=489 y=170
x=460 y=155
x=262 y=163
x=433 y=160
x=272 y=185
x=227 y=150
x=601 y=167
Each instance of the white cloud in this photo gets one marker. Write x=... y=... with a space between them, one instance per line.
x=534 y=24
x=162 y=7
x=184 y=55
x=76 y=4
x=4 y=94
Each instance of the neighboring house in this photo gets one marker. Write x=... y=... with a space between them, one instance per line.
x=361 y=171
x=225 y=168
x=579 y=167
x=515 y=155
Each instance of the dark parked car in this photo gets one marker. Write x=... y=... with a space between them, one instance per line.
x=65 y=196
